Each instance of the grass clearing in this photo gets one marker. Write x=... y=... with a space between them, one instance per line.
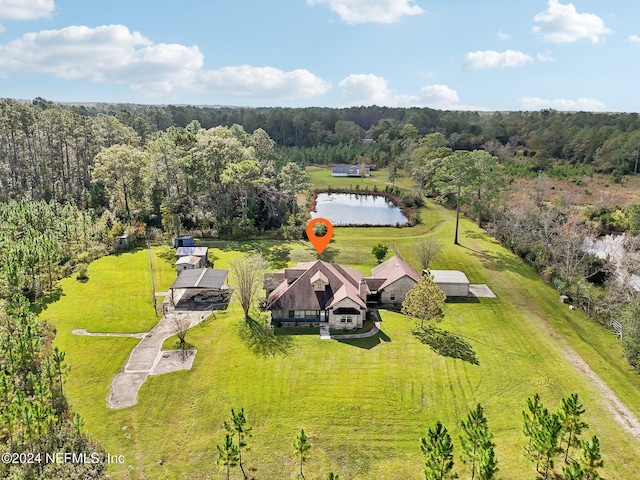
x=321 y=178
x=364 y=403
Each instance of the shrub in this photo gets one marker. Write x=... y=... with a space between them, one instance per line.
x=81 y=274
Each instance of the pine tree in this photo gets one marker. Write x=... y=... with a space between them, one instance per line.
x=572 y=423
x=437 y=449
x=302 y=446
x=591 y=459
x=477 y=447
x=238 y=425
x=547 y=439
x=227 y=454
x=531 y=427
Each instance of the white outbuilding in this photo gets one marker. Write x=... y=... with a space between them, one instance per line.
x=453 y=283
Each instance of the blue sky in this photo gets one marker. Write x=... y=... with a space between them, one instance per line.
x=447 y=54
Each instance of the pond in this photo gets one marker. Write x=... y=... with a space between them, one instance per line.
x=357 y=209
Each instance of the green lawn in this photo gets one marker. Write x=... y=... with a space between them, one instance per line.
x=321 y=178
x=363 y=403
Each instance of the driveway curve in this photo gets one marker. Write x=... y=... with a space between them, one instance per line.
x=125 y=385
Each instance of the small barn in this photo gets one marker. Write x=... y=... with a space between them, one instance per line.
x=121 y=242
x=186 y=241
x=453 y=283
x=200 y=285
x=189 y=262
x=201 y=252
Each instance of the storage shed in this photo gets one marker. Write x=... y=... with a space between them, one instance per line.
x=200 y=252
x=187 y=263
x=453 y=283
x=185 y=241
x=121 y=242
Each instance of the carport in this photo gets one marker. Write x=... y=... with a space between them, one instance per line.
x=200 y=285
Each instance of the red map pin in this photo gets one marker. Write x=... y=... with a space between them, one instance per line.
x=319 y=243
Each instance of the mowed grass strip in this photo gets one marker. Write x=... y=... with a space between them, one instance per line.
x=363 y=403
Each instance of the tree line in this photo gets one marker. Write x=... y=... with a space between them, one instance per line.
x=35 y=418
x=42 y=242
x=48 y=150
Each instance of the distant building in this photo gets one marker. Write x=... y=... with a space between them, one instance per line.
x=344 y=170
x=186 y=241
x=121 y=242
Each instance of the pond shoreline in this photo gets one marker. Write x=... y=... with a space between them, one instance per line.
x=396 y=200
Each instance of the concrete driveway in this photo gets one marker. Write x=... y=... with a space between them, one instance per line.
x=145 y=356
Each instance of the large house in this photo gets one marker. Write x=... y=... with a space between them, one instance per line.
x=314 y=293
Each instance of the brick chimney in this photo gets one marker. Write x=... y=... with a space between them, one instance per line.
x=362 y=289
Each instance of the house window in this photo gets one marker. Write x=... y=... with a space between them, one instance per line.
x=346 y=319
x=392 y=295
x=291 y=313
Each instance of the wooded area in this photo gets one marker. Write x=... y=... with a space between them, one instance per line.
x=73 y=178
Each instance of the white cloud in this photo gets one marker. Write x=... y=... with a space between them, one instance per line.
x=438 y=96
x=493 y=59
x=544 y=57
x=502 y=35
x=369 y=89
x=264 y=82
x=370 y=11
x=109 y=53
x=581 y=104
x=25 y=9
x=563 y=24
x=633 y=39
x=113 y=54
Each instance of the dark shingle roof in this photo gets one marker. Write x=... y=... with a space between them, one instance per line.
x=206 y=278
x=299 y=294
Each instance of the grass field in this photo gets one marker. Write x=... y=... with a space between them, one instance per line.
x=321 y=178
x=363 y=403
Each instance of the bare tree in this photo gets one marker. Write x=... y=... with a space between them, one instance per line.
x=179 y=328
x=248 y=272
x=428 y=249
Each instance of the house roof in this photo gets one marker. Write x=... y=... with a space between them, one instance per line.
x=296 y=291
x=188 y=260
x=319 y=276
x=187 y=251
x=393 y=269
x=449 y=276
x=205 y=278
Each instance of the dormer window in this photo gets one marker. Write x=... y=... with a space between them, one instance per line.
x=319 y=281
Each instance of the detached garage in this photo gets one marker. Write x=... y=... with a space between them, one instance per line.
x=453 y=283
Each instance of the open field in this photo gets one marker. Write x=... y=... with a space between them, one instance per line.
x=321 y=178
x=364 y=403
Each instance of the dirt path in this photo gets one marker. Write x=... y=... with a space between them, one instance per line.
x=619 y=410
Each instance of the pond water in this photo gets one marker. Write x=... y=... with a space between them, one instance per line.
x=352 y=209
